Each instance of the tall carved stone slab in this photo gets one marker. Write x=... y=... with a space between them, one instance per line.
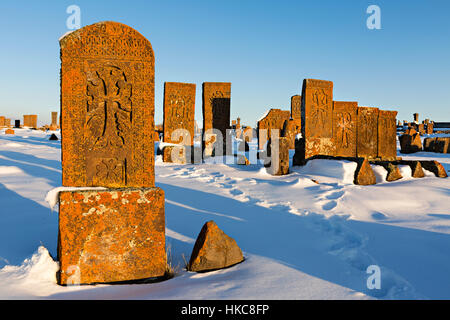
x=274 y=119
x=179 y=111
x=107 y=120
x=367 y=132
x=2 y=121
x=387 y=135
x=317 y=117
x=54 y=118
x=107 y=107
x=344 y=128
x=216 y=104
x=296 y=107
x=291 y=129
x=26 y=120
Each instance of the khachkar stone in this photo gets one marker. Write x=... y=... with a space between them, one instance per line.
x=179 y=112
x=107 y=119
x=2 y=121
x=55 y=118
x=296 y=107
x=367 y=133
x=317 y=118
x=30 y=120
x=387 y=135
x=16 y=123
x=216 y=112
x=344 y=128
x=274 y=120
x=107 y=99
x=278 y=153
x=291 y=128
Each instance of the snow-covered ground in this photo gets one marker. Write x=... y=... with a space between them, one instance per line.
x=301 y=240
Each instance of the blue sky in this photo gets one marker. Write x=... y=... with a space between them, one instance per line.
x=265 y=48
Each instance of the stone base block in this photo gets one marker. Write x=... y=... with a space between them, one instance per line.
x=111 y=235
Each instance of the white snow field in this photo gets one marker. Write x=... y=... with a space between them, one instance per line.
x=301 y=240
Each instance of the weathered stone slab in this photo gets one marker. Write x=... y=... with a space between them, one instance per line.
x=179 y=112
x=9 y=131
x=274 y=119
x=410 y=142
x=2 y=121
x=317 y=117
x=247 y=134
x=111 y=235
x=278 y=153
x=291 y=129
x=54 y=118
x=214 y=250
x=364 y=174
x=175 y=154
x=387 y=135
x=367 y=132
x=107 y=107
x=393 y=172
x=435 y=167
x=344 y=128
x=216 y=109
x=440 y=145
x=296 y=107
x=30 y=120
x=416 y=169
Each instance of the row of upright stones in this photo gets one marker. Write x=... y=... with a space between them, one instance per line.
x=30 y=121
x=336 y=130
x=179 y=124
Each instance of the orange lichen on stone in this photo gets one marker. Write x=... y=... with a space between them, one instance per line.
x=278 y=152
x=175 y=154
x=291 y=128
x=214 y=250
x=296 y=107
x=344 y=128
x=30 y=120
x=364 y=174
x=434 y=166
x=367 y=132
x=387 y=135
x=107 y=107
x=317 y=117
x=216 y=106
x=274 y=120
x=112 y=235
x=179 y=112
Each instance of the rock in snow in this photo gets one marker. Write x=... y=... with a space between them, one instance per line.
x=364 y=174
x=214 y=250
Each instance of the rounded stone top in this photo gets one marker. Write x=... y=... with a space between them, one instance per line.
x=107 y=38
